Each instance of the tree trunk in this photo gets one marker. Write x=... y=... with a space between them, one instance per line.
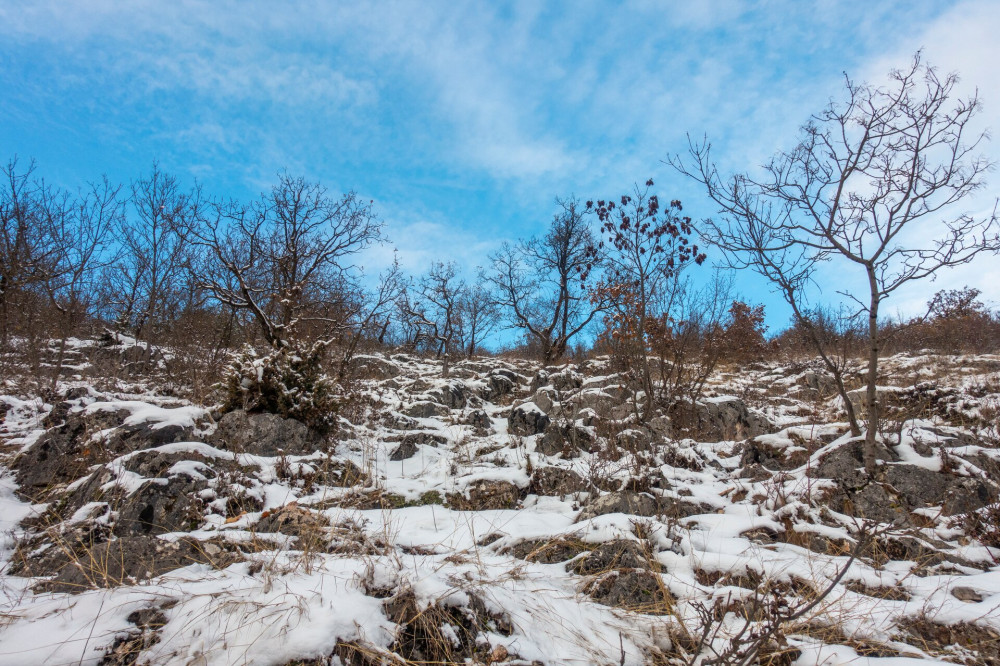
x=871 y=393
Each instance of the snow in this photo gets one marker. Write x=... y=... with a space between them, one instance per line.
x=282 y=604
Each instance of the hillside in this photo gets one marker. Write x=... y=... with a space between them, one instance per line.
x=505 y=514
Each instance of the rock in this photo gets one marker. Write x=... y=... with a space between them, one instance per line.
x=726 y=418
x=567 y=379
x=425 y=409
x=161 y=506
x=501 y=383
x=772 y=458
x=266 y=435
x=565 y=438
x=556 y=481
x=486 y=495
x=425 y=437
x=452 y=396
x=615 y=554
x=375 y=367
x=309 y=527
x=846 y=462
x=545 y=398
x=65 y=453
x=888 y=397
x=634 y=590
x=628 y=502
x=404 y=451
x=479 y=420
x=822 y=383
x=124 y=561
x=527 y=419
x=643 y=504
x=966 y=594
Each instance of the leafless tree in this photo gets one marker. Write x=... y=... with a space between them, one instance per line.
x=147 y=284
x=478 y=314
x=27 y=244
x=541 y=284
x=285 y=258
x=432 y=307
x=874 y=183
x=81 y=229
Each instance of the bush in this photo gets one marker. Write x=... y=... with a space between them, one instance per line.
x=290 y=382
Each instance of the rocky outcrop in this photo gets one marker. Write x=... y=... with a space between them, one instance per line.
x=266 y=435
x=528 y=419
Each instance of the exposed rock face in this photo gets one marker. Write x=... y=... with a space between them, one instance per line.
x=486 y=495
x=123 y=561
x=565 y=438
x=556 y=481
x=720 y=419
x=527 y=419
x=426 y=409
x=615 y=554
x=376 y=366
x=266 y=435
x=901 y=489
x=636 y=504
x=69 y=449
x=453 y=396
x=640 y=504
x=161 y=506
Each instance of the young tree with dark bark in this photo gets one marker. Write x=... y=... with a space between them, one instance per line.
x=649 y=247
x=541 y=284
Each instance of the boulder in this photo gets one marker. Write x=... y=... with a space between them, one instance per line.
x=426 y=409
x=485 y=495
x=266 y=435
x=527 y=419
x=725 y=418
x=628 y=502
x=616 y=554
x=405 y=450
x=556 y=481
x=565 y=438
x=453 y=396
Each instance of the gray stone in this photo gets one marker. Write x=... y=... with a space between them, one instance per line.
x=565 y=438
x=452 y=396
x=721 y=419
x=615 y=554
x=124 y=561
x=557 y=481
x=527 y=419
x=426 y=409
x=632 y=503
x=266 y=435
x=404 y=451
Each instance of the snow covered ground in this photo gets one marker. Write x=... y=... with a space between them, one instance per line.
x=504 y=515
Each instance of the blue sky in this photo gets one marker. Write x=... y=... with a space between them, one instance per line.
x=463 y=121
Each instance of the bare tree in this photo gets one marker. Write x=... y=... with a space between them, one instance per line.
x=650 y=247
x=81 y=230
x=146 y=285
x=873 y=183
x=27 y=244
x=432 y=307
x=478 y=313
x=542 y=283
x=286 y=257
